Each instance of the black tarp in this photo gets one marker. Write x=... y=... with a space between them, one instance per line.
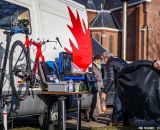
x=97 y=49
x=139 y=89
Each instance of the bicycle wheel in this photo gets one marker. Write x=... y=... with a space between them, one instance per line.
x=19 y=70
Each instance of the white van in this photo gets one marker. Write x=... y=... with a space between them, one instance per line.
x=49 y=19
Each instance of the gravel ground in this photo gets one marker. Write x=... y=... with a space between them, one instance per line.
x=30 y=123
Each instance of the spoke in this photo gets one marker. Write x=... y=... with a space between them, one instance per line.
x=18 y=58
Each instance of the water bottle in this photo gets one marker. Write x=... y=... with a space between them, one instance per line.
x=50 y=78
x=55 y=79
x=70 y=85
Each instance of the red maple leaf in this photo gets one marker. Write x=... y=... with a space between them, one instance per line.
x=82 y=56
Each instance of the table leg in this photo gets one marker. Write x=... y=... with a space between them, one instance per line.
x=61 y=113
x=79 y=112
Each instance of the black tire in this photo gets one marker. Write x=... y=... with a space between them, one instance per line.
x=43 y=120
x=54 y=112
x=18 y=70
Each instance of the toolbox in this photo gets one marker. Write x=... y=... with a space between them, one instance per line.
x=58 y=87
x=62 y=87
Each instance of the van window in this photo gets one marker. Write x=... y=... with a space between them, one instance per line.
x=10 y=13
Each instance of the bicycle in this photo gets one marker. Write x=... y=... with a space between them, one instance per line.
x=6 y=98
x=22 y=77
x=9 y=33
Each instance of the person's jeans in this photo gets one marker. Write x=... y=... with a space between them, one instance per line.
x=93 y=105
x=117 y=109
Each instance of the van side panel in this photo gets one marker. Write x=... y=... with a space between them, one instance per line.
x=67 y=22
x=49 y=19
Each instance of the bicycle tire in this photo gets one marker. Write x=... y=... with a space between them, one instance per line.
x=19 y=71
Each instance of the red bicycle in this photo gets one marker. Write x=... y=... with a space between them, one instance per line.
x=22 y=77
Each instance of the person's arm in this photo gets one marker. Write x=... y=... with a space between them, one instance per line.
x=103 y=71
x=94 y=70
x=110 y=78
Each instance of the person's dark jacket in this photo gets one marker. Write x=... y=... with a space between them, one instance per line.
x=104 y=74
x=113 y=68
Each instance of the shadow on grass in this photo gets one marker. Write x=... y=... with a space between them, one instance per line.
x=112 y=128
x=26 y=123
x=30 y=123
x=73 y=127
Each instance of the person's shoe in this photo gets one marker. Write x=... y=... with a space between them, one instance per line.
x=93 y=118
x=86 y=118
x=128 y=123
x=103 y=114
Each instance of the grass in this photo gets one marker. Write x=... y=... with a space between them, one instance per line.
x=114 y=128
x=26 y=128
x=32 y=124
x=106 y=128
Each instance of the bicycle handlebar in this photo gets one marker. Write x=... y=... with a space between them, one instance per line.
x=48 y=41
x=58 y=41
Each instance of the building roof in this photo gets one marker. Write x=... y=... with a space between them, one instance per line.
x=91 y=4
x=104 y=20
x=97 y=48
x=117 y=4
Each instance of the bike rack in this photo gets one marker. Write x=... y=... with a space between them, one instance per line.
x=5 y=113
x=5 y=102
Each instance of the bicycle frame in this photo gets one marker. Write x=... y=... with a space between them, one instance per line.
x=39 y=54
